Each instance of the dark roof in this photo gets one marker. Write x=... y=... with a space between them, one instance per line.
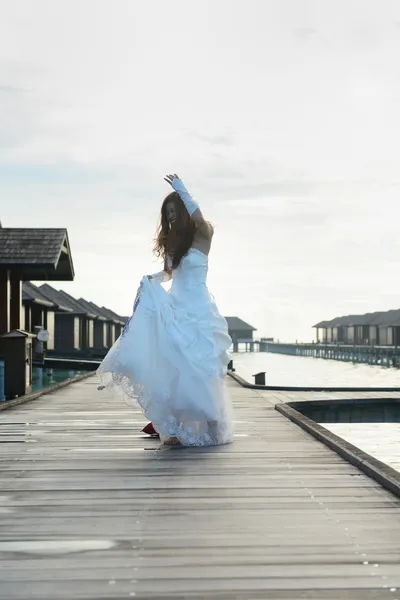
x=17 y=333
x=366 y=319
x=388 y=318
x=351 y=320
x=322 y=324
x=113 y=315
x=104 y=312
x=77 y=306
x=236 y=324
x=92 y=308
x=348 y=320
x=38 y=254
x=55 y=296
x=31 y=293
x=338 y=321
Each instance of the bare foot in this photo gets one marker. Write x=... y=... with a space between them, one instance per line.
x=172 y=441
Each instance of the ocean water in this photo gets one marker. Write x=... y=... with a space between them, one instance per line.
x=42 y=378
x=302 y=371
x=380 y=440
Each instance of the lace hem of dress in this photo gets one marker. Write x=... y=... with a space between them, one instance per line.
x=217 y=432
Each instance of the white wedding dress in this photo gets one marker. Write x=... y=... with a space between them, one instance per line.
x=172 y=358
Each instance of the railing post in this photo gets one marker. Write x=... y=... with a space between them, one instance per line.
x=259 y=378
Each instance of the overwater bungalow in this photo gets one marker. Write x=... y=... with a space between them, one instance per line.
x=73 y=322
x=100 y=325
x=113 y=325
x=28 y=254
x=239 y=330
x=371 y=329
x=86 y=321
x=37 y=311
x=119 y=322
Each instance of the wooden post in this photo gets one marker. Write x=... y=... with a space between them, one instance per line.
x=4 y=301
x=15 y=301
x=28 y=318
x=259 y=378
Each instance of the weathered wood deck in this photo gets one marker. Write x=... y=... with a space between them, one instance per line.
x=89 y=508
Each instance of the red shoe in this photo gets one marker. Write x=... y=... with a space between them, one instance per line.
x=149 y=429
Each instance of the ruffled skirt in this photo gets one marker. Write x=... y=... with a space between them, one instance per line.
x=172 y=359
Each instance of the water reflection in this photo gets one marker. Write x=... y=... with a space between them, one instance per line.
x=42 y=378
x=380 y=440
x=371 y=425
x=376 y=411
x=55 y=546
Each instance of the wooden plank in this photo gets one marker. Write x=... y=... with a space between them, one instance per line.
x=90 y=508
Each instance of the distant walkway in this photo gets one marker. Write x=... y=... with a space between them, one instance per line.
x=89 y=508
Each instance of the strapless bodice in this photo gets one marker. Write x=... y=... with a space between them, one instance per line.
x=189 y=280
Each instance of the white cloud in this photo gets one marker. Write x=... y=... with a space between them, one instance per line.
x=281 y=116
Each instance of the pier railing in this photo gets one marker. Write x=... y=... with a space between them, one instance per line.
x=388 y=356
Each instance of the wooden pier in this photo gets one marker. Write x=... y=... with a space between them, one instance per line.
x=387 y=356
x=91 y=509
x=247 y=346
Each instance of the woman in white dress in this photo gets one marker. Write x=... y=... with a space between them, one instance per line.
x=172 y=356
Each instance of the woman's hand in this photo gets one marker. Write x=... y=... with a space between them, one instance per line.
x=170 y=178
x=191 y=205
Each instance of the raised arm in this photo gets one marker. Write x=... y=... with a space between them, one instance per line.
x=191 y=205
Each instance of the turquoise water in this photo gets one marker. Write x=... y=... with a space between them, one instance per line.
x=42 y=378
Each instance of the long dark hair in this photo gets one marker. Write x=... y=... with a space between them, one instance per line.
x=174 y=241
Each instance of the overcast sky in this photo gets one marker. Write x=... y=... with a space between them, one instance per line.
x=282 y=117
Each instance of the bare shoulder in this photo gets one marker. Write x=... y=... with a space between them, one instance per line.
x=204 y=230
x=208 y=230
